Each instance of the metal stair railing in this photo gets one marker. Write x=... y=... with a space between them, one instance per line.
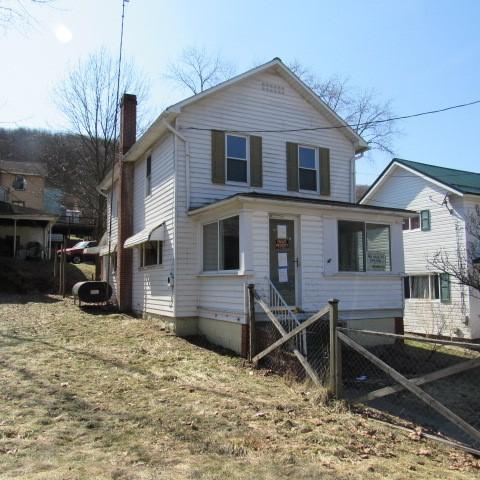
x=286 y=316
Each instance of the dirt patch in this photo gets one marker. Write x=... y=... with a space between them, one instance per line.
x=113 y=397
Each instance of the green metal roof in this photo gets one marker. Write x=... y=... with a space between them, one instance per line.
x=464 y=182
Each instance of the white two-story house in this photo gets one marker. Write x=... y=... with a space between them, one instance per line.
x=249 y=182
x=445 y=199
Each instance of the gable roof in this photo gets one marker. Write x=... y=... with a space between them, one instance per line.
x=276 y=65
x=23 y=168
x=460 y=182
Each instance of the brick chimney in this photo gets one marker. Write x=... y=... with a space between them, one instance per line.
x=128 y=134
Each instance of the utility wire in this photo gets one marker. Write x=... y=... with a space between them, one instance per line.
x=351 y=125
x=115 y=122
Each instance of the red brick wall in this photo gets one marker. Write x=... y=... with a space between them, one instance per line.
x=128 y=132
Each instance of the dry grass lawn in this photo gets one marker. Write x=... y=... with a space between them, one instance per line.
x=106 y=396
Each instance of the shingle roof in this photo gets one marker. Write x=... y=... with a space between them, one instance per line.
x=305 y=200
x=10 y=209
x=23 y=168
x=461 y=180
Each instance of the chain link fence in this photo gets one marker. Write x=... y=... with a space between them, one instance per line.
x=312 y=343
x=449 y=373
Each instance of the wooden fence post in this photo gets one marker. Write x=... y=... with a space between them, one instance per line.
x=333 y=371
x=251 y=322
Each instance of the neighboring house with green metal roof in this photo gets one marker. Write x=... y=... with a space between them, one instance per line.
x=444 y=198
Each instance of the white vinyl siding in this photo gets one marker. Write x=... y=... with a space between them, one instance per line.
x=150 y=293
x=246 y=106
x=406 y=190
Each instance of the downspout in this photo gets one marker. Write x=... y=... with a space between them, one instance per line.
x=353 y=160
x=187 y=160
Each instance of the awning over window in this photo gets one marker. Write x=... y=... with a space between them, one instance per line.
x=146 y=235
x=103 y=249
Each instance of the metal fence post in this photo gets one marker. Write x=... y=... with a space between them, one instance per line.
x=251 y=321
x=333 y=371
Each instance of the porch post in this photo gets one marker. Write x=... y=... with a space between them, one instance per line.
x=246 y=242
x=14 y=237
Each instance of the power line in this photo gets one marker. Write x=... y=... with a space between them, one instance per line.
x=351 y=125
x=115 y=122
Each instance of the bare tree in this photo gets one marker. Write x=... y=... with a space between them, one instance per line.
x=464 y=265
x=197 y=70
x=361 y=109
x=18 y=13
x=87 y=98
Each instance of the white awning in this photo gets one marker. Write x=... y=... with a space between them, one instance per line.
x=103 y=249
x=146 y=235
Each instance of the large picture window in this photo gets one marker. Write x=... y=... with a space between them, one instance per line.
x=307 y=169
x=237 y=160
x=363 y=247
x=221 y=245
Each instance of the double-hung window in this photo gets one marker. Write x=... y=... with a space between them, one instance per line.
x=236 y=158
x=363 y=247
x=151 y=253
x=432 y=286
x=148 y=176
x=421 y=221
x=221 y=245
x=308 y=169
x=19 y=183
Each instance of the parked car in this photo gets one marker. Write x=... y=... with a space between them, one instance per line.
x=75 y=254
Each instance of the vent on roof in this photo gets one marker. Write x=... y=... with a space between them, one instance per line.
x=273 y=88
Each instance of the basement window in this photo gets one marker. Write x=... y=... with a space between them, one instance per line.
x=221 y=245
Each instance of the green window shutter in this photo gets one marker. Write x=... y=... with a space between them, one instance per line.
x=218 y=156
x=292 y=167
x=324 y=158
x=445 y=288
x=256 y=174
x=425 y=220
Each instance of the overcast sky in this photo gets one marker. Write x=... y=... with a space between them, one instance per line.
x=420 y=54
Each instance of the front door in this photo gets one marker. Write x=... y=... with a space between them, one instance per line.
x=282 y=258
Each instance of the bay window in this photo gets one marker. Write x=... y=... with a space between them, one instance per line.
x=221 y=245
x=363 y=247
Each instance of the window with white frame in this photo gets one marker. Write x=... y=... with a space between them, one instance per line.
x=236 y=154
x=151 y=253
x=307 y=168
x=425 y=287
x=422 y=221
x=363 y=247
x=221 y=245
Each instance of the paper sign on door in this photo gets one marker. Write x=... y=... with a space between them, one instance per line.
x=282 y=259
x=282 y=275
x=281 y=231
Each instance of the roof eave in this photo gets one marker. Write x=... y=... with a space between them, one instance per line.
x=387 y=171
x=244 y=198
